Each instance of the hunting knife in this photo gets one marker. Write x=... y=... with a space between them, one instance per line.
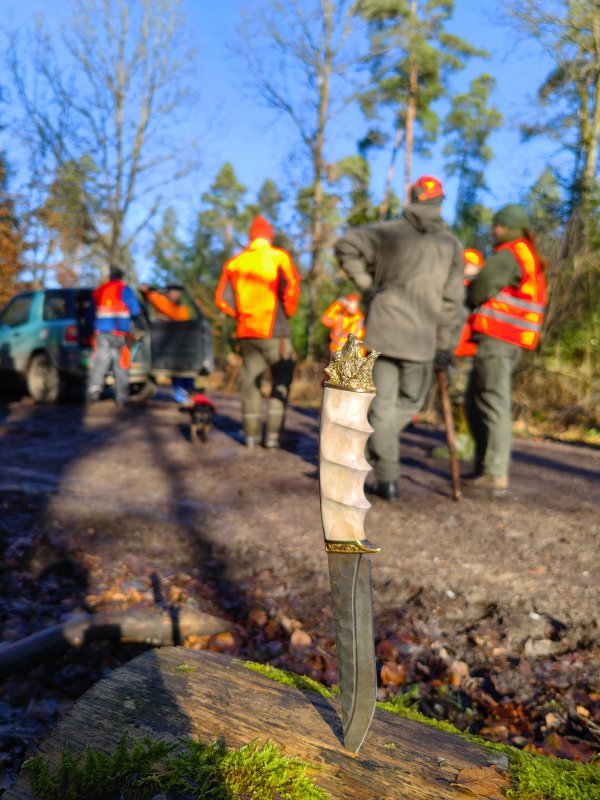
x=348 y=392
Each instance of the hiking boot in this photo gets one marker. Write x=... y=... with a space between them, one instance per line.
x=387 y=490
x=271 y=441
x=490 y=486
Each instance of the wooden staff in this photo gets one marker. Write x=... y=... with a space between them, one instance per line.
x=442 y=379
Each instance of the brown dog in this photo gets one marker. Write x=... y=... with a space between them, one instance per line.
x=201 y=411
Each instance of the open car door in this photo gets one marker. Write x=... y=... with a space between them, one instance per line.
x=179 y=347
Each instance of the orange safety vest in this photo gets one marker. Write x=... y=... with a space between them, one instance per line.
x=466 y=347
x=342 y=324
x=108 y=301
x=261 y=277
x=516 y=315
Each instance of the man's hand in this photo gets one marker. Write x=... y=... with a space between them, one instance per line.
x=442 y=360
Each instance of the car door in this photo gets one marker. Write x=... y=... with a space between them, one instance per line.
x=15 y=323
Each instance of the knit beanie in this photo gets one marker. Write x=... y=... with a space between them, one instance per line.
x=261 y=229
x=513 y=217
x=427 y=190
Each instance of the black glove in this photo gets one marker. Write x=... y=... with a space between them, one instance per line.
x=442 y=360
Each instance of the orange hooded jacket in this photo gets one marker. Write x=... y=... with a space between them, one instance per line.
x=261 y=277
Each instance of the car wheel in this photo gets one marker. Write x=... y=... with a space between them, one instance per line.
x=43 y=379
x=140 y=392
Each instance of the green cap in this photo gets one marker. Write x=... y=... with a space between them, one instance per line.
x=513 y=217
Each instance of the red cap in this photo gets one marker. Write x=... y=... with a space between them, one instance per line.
x=261 y=229
x=427 y=188
x=353 y=298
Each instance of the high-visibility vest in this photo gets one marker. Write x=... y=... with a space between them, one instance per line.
x=516 y=315
x=108 y=300
x=261 y=277
x=466 y=347
x=342 y=324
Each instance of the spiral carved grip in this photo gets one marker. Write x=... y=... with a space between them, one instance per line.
x=342 y=464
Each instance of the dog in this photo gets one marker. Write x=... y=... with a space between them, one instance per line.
x=201 y=411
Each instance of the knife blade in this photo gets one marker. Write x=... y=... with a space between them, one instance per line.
x=343 y=468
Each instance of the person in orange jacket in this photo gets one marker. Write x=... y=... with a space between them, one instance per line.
x=343 y=317
x=170 y=305
x=260 y=289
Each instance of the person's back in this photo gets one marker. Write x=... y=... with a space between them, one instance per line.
x=413 y=266
x=115 y=306
x=255 y=275
x=413 y=270
x=260 y=289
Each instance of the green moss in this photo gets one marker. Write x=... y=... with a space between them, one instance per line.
x=536 y=777
x=190 y=769
x=288 y=678
x=532 y=777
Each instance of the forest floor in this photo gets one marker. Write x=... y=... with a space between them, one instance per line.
x=486 y=612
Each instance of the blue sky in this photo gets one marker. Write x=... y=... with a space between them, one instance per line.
x=231 y=126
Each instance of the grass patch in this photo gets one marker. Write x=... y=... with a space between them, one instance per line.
x=188 y=770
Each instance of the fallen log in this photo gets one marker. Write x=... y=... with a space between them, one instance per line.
x=143 y=626
x=175 y=693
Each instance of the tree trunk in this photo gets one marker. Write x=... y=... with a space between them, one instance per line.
x=384 y=205
x=411 y=114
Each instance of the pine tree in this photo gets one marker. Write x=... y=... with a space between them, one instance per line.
x=411 y=58
x=467 y=128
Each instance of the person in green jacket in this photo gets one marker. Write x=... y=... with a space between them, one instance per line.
x=411 y=269
x=508 y=298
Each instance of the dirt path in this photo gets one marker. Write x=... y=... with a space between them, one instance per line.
x=121 y=508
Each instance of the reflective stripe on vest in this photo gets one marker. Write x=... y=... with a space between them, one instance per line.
x=516 y=315
x=108 y=301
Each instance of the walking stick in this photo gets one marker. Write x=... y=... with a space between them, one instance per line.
x=442 y=379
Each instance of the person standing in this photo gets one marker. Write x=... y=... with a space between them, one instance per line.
x=343 y=317
x=508 y=299
x=115 y=306
x=260 y=289
x=413 y=269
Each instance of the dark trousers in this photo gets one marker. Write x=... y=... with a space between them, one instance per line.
x=257 y=356
x=401 y=390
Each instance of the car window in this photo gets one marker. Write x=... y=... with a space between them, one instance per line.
x=17 y=311
x=55 y=306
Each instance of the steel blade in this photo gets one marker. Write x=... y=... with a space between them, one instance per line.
x=350 y=578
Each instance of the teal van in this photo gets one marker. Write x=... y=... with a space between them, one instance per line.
x=46 y=342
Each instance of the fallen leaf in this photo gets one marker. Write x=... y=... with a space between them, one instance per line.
x=482 y=782
x=458 y=671
x=393 y=674
x=300 y=639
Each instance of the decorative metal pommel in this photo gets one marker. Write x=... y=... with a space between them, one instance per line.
x=349 y=369
x=342 y=464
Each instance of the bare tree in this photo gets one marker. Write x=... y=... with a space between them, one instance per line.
x=109 y=94
x=301 y=62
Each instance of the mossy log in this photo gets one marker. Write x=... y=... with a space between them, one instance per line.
x=172 y=693
x=143 y=626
